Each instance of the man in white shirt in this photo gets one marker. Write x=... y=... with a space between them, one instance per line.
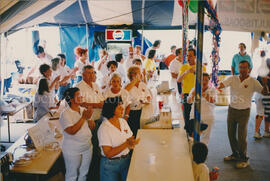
x=174 y=68
x=242 y=87
x=92 y=96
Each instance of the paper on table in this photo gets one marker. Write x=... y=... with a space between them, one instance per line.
x=41 y=134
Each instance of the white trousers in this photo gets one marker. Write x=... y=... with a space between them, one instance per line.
x=77 y=166
x=206 y=134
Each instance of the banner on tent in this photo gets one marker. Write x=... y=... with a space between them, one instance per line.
x=245 y=15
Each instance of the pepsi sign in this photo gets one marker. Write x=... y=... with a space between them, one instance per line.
x=118 y=35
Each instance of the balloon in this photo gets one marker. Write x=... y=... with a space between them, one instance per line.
x=180 y=2
x=193 y=6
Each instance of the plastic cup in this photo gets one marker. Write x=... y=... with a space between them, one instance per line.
x=151 y=159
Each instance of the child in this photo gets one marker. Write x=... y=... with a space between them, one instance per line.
x=200 y=169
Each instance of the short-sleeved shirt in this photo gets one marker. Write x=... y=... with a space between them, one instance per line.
x=188 y=81
x=109 y=135
x=200 y=172
x=65 y=71
x=42 y=104
x=137 y=95
x=207 y=108
x=149 y=65
x=91 y=95
x=237 y=58
x=123 y=93
x=175 y=66
x=80 y=141
x=80 y=66
x=241 y=92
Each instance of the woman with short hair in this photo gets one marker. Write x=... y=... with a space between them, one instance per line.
x=115 y=89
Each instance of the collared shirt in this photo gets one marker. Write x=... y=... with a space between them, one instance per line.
x=200 y=172
x=188 y=81
x=45 y=60
x=237 y=58
x=109 y=135
x=91 y=95
x=207 y=108
x=137 y=95
x=175 y=66
x=79 y=142
x=80 y=65
x=241 y=92
x=65 y=71
x=123 y=93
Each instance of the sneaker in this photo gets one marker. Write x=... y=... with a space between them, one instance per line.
x=242 y=164
x=230 y=158
x=266 y=134
x=257 y=135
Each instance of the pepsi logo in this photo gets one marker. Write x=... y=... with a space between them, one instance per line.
x=118 y=35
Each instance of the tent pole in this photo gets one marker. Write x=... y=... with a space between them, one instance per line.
x=184 y=30
x=198 y=82
x=142 y=38
x=2 y=64
x=87 y=36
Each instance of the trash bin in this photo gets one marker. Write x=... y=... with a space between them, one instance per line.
x=223 y=98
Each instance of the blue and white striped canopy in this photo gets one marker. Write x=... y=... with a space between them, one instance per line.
x=18 y=14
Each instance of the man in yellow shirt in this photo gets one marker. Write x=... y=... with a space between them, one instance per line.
x=187 y=78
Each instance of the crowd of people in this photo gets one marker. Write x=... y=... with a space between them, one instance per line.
x=104 y=102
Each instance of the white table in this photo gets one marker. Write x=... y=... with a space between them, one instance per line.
x=172 y=157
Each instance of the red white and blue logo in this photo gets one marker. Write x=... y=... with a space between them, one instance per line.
x=118 y=35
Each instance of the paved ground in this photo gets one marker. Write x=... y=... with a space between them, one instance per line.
x=258 y=151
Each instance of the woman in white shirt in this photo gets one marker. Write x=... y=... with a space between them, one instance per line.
x=112 y=67
x=77 y=147
x=115 y=140
x=66 y=75
x=82 y=60
x=117 y=90
x=207 y=106
x=140 y=95
x=44 y=98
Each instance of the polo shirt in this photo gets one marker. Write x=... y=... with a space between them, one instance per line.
x=241 y=92
x=137 y=95
x=123 y=93
x=79 y=142
x=175 y=66
x=91 y=95
x=109 y=135
x=188 y=81
x=237 y=58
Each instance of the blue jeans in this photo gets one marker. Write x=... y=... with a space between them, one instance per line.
x=114 y=170
x=61 y=91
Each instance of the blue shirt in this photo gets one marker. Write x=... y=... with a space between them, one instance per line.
x=237 y=58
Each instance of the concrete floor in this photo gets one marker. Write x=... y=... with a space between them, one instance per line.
x=258 y=151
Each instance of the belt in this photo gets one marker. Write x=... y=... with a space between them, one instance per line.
x=118 y=158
